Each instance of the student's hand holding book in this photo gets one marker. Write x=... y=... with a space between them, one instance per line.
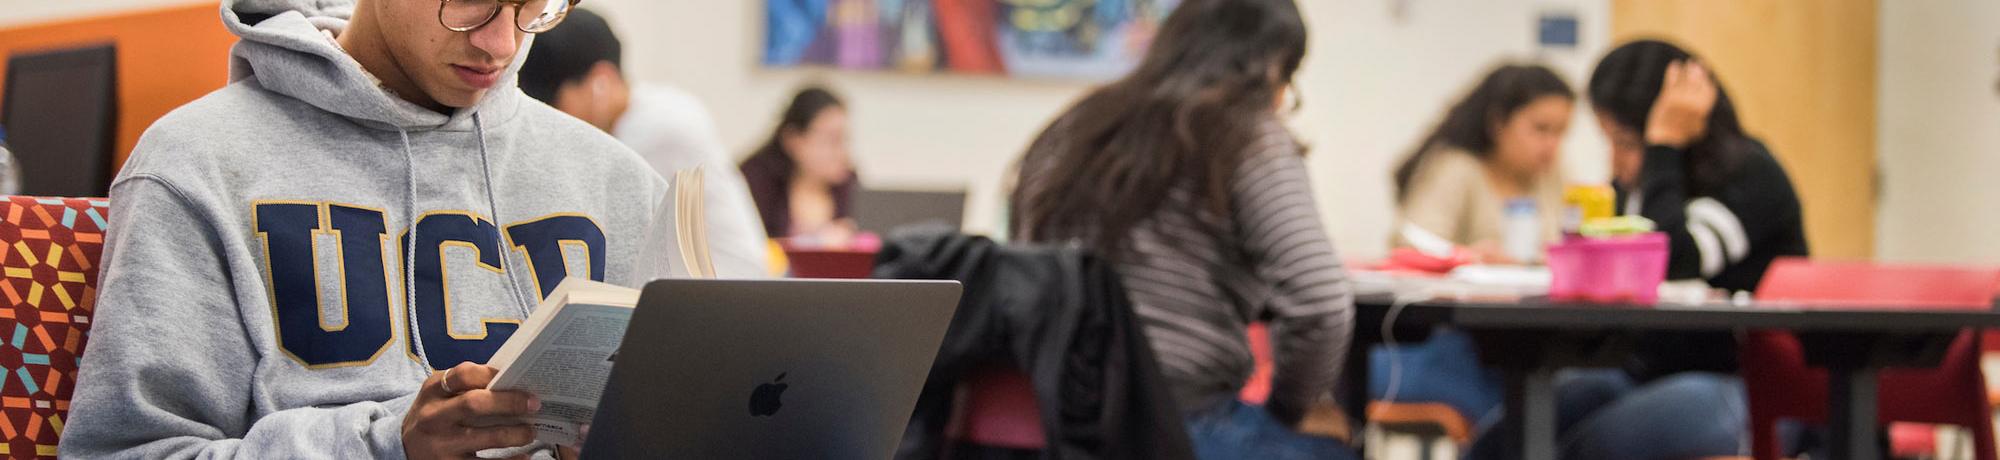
x=455 y=416
x=1680 y=114
x=576 y=451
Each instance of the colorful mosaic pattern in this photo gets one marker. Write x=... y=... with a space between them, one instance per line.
x=49 y=250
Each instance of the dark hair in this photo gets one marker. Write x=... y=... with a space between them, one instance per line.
x=1183 y=116
x=1625 y=86
x=1470 y=124
x=798 y=117
x=566 y=54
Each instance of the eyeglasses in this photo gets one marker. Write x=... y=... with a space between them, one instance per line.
x=531 y=16
x=1295 y=99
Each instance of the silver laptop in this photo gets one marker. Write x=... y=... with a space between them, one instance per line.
x=771 y=369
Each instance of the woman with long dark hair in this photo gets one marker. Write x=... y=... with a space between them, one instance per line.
x=1183 y=174
x=1496 y=149
x=803 y=177
x=1682 y=159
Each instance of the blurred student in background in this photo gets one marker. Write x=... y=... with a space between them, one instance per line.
x=576 y=69
x=803 y=177
x=1184 y=175
x=1496 y=149
x=1495 y=153
x=1681 y=159
x=1686 y=163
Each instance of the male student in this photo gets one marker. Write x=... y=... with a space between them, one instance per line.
x=576 y=69
x=309 y=262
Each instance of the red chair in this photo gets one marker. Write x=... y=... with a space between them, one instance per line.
x=49 y=250
x=1990 y=344
x=1258 y=388
x=830 y=263
x=1781 y=385
x=999 y=407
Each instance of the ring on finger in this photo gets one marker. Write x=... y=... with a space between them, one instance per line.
x=444 y=383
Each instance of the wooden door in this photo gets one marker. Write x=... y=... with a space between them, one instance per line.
x=1802 y=74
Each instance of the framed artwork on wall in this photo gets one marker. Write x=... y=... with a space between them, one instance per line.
x=1062 y=39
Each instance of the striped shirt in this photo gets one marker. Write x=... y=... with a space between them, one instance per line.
x=1196 y=291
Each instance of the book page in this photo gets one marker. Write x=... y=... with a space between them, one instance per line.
x=680 y=232
x=691 y=223
x=566 y=360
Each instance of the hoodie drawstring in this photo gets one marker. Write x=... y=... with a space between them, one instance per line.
x=410 y=252
x=410 y=248
x=493 y=206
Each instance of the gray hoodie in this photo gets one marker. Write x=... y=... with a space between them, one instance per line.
x=255 y=301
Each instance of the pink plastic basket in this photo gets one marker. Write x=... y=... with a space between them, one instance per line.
x=1619 y=269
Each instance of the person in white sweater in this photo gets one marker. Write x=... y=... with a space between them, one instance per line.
x=577 y=70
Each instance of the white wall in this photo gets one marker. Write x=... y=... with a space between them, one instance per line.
x=1939 y=143
x=1373 y=84
x=910 y=131
x=1377 y=83
x=13 y=12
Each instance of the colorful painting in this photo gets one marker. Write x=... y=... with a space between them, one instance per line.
x=1086 y=39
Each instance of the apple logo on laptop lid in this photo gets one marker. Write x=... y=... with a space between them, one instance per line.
x=768 y=398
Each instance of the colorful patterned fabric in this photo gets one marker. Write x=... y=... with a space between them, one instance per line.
x=49 y=250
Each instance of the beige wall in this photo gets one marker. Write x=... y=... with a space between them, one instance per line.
x=1939 y=130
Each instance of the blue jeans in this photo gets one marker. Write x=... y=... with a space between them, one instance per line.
x=1444 y=369
x=1687 y=415
x=1234 y=430
x=1603 y=414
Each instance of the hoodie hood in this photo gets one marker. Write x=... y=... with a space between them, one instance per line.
x=287 y=46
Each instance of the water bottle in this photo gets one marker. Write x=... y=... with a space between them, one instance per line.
x=10 y=171
x=1521 y=232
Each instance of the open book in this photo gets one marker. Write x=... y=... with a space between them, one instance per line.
x=564 y=351
x=563 y=354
